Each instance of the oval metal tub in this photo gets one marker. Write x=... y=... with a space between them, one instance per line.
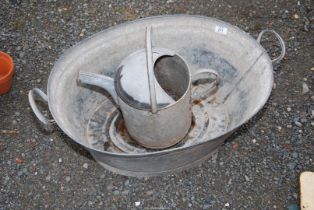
x=244 y=67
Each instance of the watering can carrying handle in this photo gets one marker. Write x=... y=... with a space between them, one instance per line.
x=39 y=95
x=150 y=70
x=281 y=42
x=201 y=75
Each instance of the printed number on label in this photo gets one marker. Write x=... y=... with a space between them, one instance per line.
x=221 y=30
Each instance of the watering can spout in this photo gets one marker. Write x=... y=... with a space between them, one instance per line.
x=104 y=82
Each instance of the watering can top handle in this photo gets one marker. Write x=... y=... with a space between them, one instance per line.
x=39 y=95
x=281 y=42
x=150 y=69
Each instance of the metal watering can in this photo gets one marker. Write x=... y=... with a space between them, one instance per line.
x=152 y=88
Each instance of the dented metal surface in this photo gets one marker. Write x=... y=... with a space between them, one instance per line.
x=108 y=132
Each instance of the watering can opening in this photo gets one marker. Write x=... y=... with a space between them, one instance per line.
x=172 y=74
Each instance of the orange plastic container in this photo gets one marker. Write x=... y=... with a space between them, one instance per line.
x=6 y=72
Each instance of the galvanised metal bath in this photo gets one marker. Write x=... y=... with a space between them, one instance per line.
x=243 y=65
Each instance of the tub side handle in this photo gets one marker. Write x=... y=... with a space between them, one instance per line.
x=281 y=42
x=37 y=94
